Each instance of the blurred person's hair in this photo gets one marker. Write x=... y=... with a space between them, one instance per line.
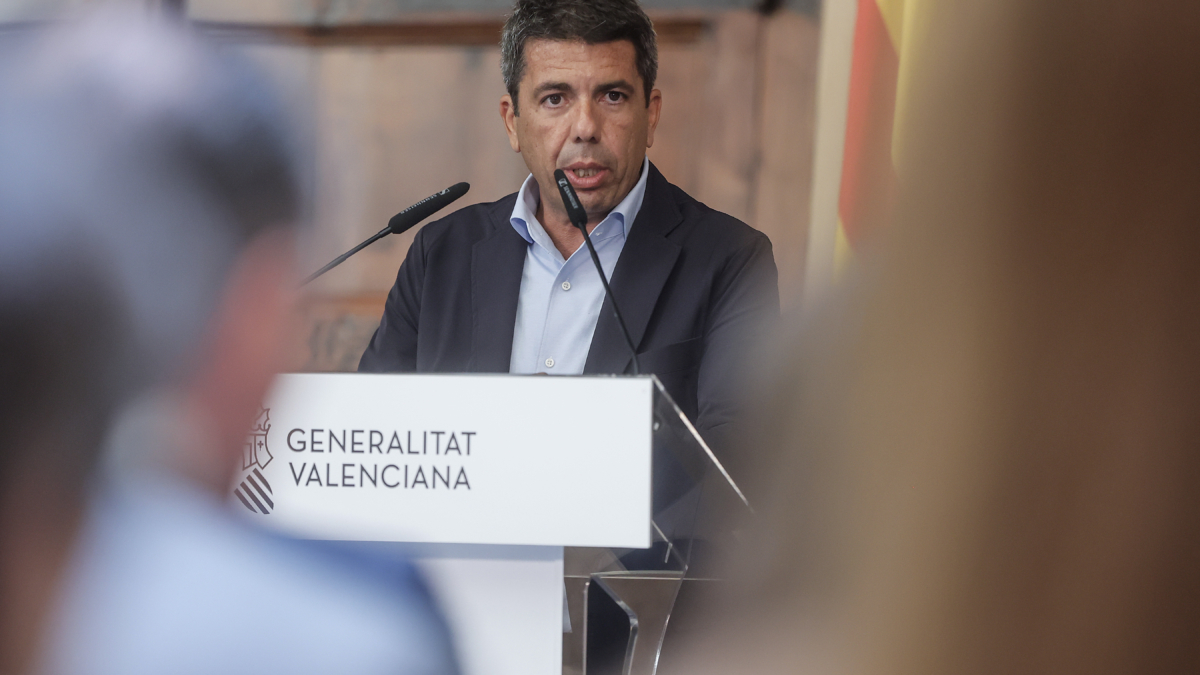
x=171 y=153
x=592 y=21
x=62 y=338
x=988 y=452
x=136 y=162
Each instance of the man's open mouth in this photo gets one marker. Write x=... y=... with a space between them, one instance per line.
x=586 y=177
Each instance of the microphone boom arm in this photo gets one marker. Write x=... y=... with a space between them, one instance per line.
x=587 y=239
x=401 y=222
x=342 y=258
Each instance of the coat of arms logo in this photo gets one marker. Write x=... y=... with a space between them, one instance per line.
x=254 y=491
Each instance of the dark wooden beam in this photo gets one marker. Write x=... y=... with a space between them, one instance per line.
x=482 y=33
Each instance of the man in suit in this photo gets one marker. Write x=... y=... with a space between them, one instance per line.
x=509 y=287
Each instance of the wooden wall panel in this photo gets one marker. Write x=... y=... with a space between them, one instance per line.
x=395 y=125
x=783 y=185
x=399 y=107
x=329 y=12
x=681 y=80
x=726 y=150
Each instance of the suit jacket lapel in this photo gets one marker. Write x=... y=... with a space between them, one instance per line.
x=497 y=263
x=645 y=264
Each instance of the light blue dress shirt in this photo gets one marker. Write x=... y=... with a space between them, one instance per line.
x=560 y=300
x=165 y=580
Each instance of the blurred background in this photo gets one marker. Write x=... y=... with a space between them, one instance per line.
x=401 y=99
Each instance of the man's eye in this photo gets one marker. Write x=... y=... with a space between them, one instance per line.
x=554 y=99
x=615 y=96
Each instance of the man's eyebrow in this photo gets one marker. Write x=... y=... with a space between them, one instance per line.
x=549 y=86
x=615 y=84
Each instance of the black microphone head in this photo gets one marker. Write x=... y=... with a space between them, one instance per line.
x=575 y=210
x=426 y=207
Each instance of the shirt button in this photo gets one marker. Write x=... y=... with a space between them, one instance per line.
x=566 y=285
x=549 y=363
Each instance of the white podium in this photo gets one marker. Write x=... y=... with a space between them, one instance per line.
x=482 y=480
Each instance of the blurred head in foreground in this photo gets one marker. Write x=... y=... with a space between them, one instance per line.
x=167 y=166
x=989 y=451
x=146 y=196
x=148 y=200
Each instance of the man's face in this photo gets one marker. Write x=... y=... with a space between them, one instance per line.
x=583 y=110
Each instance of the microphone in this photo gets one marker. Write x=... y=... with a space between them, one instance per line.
x=578 y=216
x=401 y=222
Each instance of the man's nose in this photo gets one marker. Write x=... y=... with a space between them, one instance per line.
x=587 y=122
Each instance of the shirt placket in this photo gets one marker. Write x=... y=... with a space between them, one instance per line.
x=550 y=349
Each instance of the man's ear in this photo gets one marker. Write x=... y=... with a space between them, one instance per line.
x=653 y=111
x=508 y=113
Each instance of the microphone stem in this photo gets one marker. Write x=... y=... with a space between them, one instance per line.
x=587 y=239
x=342 y=258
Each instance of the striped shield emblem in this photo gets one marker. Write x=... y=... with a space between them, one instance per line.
x=255 y=493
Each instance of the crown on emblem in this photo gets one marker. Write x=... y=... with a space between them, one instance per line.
x=255 y=455
x=262 y=424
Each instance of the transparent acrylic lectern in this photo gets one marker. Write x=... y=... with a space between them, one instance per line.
x=619 y=601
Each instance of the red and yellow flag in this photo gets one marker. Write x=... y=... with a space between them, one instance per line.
x=884 y=38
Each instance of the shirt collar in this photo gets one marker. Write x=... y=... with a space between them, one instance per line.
x=524 y=216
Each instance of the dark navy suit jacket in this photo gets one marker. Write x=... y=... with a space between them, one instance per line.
x=695 y=286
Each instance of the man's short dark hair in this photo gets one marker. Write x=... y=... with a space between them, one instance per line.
x=592 y=21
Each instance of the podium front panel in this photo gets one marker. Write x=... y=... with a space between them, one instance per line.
x=477 y=459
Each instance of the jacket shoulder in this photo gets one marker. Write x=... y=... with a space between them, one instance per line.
x=714 y=225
